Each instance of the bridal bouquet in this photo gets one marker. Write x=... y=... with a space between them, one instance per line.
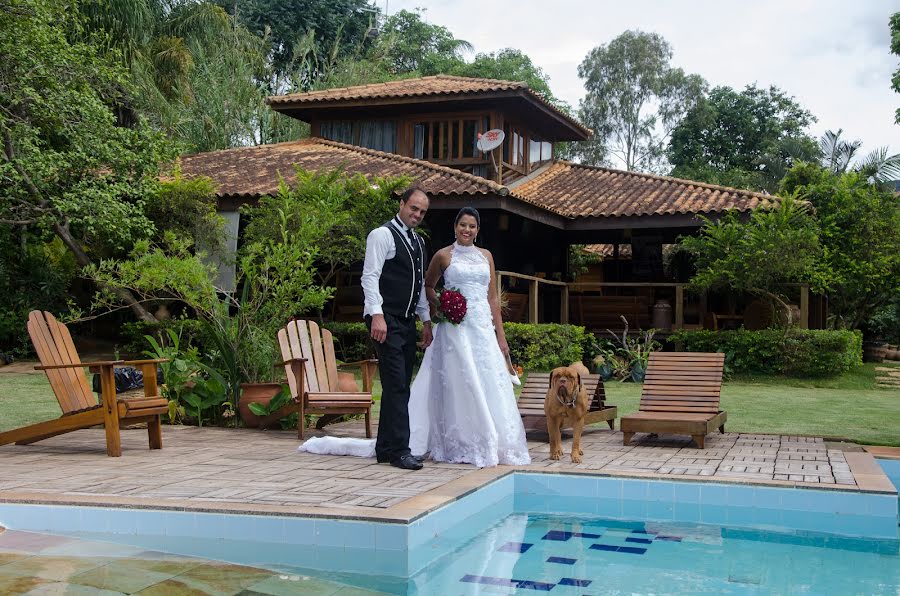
x=451 y=307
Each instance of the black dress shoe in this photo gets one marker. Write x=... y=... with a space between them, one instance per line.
x=419 y=458
x=407 y=462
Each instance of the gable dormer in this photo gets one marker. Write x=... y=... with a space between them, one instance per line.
x=438 y=119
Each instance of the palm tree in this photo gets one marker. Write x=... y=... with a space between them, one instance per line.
x=838 y=155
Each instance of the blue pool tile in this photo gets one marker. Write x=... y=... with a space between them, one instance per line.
x=714 y=514
x=580 y=583
x=515 y=547
x=152 y=523
x=740 y=496
x=881 y=505
x=635 y=509
x=490 y=581
x=557 y=535
x=667 y=538
x=609 y=488
x=238 y=527
x=661 y=491
x=607 y=547
x=660 y=511
x=562 y=560
x=390 y=536
x=686 y=493
x=609 y=507
x=530 y=503
x=528 y=584
x=208 y=525
x=632 y=550
x=531 y=483
x=686 y=512
x=641 y=531
x=796 y=499
x=714 y=494
x=639 y=540
x=634 y=490
x=741 y=516
x=587 y=535
x=769 y=498
x=574 y=505
x=270 y=528
x=64 y=519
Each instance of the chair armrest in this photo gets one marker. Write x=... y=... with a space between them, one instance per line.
x=80 y=364
x=142 y=362
x=291 y=361
x=359 y=363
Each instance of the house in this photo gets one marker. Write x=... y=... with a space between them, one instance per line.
x=533 y=205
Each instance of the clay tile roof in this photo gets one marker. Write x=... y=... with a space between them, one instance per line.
x=436 y=85
x=586 y=191
x=255 y=171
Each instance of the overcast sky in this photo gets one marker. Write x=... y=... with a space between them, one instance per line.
x=833 y=56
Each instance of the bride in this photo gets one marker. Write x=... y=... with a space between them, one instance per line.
x=462 y=408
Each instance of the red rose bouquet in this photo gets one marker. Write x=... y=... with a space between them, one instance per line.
x=451 y=307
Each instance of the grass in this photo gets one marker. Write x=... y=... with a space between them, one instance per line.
x=846 y=407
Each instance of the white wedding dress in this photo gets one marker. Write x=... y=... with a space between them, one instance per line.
x=462 y=408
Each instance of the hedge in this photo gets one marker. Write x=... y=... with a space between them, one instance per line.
x=534 y=347
x=797 y=352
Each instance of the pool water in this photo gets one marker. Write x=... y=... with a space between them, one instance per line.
x=529 y=554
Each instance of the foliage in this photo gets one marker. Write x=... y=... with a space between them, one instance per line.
x=66 y=167
x=799 y=352
x=629 y=358
x=580 y=260
x=859 y=230
x=34 y=274
x=895 y=49
x=778 y=245
x=634 y=99
x=837 y=156
x=544 y=346
x=278 y=400
x=331 y=210
x=410 y=44
x=746 y=139
x=885 y=322
x=351 y=341
x=187 y=209
x=191 y=387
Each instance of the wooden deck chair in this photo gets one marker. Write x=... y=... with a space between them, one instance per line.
x=531 y=402
x=64 y=369
x=312 y=374
x=680 y=396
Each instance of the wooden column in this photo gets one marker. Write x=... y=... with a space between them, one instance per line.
x=564 y=307
x=804 y=306
x=679 y=306
x=533 y=301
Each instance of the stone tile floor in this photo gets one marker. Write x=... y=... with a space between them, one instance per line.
x=246 y=469
x=41 y=564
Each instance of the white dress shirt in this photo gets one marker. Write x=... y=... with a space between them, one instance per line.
x=380 y=248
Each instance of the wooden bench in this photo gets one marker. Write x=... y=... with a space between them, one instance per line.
x=65 y=371
x=531 y=402
x=680 y=396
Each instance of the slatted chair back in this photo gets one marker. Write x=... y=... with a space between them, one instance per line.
x=536 y=385
x=304 y=339
x=54 y=346
x=686 y=382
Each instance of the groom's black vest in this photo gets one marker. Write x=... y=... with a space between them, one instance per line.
x=403 y=276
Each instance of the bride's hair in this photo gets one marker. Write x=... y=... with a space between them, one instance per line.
x=468 y=211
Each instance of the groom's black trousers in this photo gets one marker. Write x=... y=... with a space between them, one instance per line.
x=396 y=357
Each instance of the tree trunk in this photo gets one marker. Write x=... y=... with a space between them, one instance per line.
x=81 y=257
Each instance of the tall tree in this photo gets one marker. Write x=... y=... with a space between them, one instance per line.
x=65 y=167
x=746 y=139
x=410 y=44
x=840 y=156
x=895 y=49
x=634 y=99
x=859 y=227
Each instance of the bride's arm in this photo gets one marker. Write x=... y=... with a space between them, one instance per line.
x=435 y=270
x=494 y=301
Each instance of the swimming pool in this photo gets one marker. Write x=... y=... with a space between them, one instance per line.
x=532 y=532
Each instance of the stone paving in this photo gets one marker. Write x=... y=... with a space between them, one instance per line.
x=227 y=469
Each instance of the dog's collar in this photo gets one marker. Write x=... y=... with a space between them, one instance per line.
x=574 y=397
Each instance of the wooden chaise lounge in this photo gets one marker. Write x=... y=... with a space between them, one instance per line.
x=65 y=371
x=312 y=374
x=531 y=402
x=680 y=396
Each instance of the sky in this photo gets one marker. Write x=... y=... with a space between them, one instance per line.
x=833 y=56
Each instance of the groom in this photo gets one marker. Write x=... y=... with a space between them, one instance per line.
x=394 y=288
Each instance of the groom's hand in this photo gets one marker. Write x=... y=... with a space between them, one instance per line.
x=379 y=328
x=427 y=335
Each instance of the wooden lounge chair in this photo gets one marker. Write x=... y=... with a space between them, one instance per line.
x=64 y=369
x=312 y=374
x=680 y=396
x=531 y=402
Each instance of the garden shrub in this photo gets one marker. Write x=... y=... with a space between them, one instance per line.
x=534 y=347
x=797 y=352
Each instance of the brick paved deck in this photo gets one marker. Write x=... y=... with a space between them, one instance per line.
x=252 y=471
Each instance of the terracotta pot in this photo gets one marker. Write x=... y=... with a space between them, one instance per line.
x=259 y=393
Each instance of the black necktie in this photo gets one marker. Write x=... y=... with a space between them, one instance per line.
x=412 y=240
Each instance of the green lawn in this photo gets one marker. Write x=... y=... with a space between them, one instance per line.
x=848 y=407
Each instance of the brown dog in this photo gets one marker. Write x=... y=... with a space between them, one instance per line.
x=566 y=401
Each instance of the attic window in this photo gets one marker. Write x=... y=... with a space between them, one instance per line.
x=372 y=134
